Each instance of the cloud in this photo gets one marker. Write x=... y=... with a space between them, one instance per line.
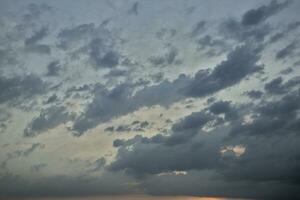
x=37 y=167
x=276 y=86
x=168 y=58
x=287 y=51
x=134 y=9
x=254 y=94
x=53 y=68
x=274 y=123
x=20 y=153
x=48 y=118
x=31 y=44
x=240 y=63
x=62 y=185
x=198 y=28
x=260 y=14
x=35 y=11
x=178 y=150
x=102 y=55
x=20 y=87
x=69 y=36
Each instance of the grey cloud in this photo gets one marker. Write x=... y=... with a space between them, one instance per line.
x=254 y=94
x=233 y=29
x=109 y=129
x=32 y=45
x=275 y=123
x=21 y=153
x=69 y=36
x=144 y=124
x=286 y=71
x=286 y=51
x=103 y=107
x=35 y=11
x=62 y=185
x=39 y=48
x=276 y=86
x=168 y=58
x=224 y=107
x=134 y=9
x=273 y=118
x=198 y=28
x=98 y=43
x=102 y=55
x=98 y=165
x=51 y=99
x=212 y=46
x=15 y=88
x=239 y=64
x=116 y=73
x=37 y=36
x=293 y=26
x=53 y=68
x=48 y=118
x=37 y=167
x=258 y=15
x=165 y=33
x=136 y=126
x=277 y=37
x=31 y=149
x=7 y=57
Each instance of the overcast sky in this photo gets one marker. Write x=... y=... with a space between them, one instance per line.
x=162 y=98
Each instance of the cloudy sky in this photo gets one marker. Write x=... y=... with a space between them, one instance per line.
x=190 y=98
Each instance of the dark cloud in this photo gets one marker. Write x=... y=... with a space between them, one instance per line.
x=16 y=88
x=98 y=165
x=37 y=36
x=224 y=107
x=239 y=64
x=20 y=153
x=254 y=94
x=134 y=9
x=32 y=45
x=286 y=71
x=51 y=99
x=260 y=14
x=109 y=129
x=69 y=36
x=62 y=185
x=7 y=58
x=233 y=29
x=102 y=55
x=95 y=42
x=277 y=37
x=275 y=123
x=276 y=86
x=48 y=118
x=168 y=58
x=116 y=73
x=198 y=28
x=272 y=118
x=212 y=46
x=286 y=51
x=53 y=68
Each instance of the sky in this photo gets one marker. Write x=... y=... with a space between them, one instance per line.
x=138 y=99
